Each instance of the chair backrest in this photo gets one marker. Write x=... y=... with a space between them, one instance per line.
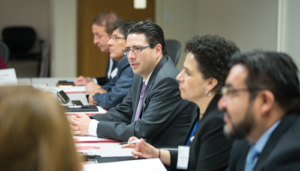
x=19 y=39
x=4 y=52
x=173 y=49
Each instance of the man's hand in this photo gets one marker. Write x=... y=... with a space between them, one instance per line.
x=80 y=124
x=91 y=87
x=81 y=81
x=91 y=100
x=97 y=91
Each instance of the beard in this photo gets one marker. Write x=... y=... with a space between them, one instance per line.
x=242 y=129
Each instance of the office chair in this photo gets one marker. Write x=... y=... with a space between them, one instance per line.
x=4 y=52
x=173 y=48
x=20 y=41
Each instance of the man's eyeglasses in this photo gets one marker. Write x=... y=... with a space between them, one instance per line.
x=225 y=91
x=134 y=49
x=114 y=38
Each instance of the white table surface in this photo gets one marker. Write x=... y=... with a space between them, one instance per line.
x=51 y=82
x=24 y=81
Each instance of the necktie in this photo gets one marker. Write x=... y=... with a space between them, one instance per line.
x=251 y=159
x=138 y=110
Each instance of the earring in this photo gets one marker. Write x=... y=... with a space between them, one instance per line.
x=207 y=93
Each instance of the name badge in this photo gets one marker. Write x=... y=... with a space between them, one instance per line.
x=8 y=76
x=183 y=157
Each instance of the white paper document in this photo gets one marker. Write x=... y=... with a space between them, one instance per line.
x=91 y=139
x=8 y=76
x=131 y=165
x=104 y=149
x=75 y=89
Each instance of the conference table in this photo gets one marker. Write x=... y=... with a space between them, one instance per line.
x=92 y=146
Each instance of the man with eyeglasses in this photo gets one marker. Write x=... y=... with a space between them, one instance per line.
x=261 y=109
x=113 y=92
x=102 y=28
x=153 y=108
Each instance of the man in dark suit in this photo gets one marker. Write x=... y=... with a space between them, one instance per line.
x=102 y=28
x=261 y=107
x=153 y=108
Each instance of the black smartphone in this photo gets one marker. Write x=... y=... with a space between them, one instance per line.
x=63 y=96
x=77 y=103
x=87 y=97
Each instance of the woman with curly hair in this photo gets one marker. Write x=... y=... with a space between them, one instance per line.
x=204 y=73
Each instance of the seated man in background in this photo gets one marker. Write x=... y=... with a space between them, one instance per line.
x=113 y=92
x=153 y=108
x=34 y=132
x=261 y=105
x=102 y=28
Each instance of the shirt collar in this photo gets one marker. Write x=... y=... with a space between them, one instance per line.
x=260 y=144
x=147 y=80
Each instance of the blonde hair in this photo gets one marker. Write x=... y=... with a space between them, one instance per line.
x=34 y=132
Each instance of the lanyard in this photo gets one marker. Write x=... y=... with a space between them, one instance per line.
x=193 y=131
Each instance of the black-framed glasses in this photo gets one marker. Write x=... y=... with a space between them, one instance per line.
x=114 y=38
x=135 y=49
x=225 y=91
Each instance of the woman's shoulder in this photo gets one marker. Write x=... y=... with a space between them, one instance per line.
x=215 y=114
x=213 y=120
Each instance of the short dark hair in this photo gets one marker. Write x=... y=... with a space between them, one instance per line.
x=153 y=33
x=273 y=71
x=212 y=53
x=124 y=27
x=108 y=19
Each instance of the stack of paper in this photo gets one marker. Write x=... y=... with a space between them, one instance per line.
x=131 y=165
x=82 y=139
x=104 y=149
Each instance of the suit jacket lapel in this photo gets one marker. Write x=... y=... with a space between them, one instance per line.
x=212 y=105
x=152 y=80
x=240 y=164
x=286 y=122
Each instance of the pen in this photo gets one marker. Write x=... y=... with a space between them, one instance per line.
x=78 y=106
x=132 y=142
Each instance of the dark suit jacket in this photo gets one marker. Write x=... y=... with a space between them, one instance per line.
x=117 y=88
x=104 y=80
x=281 y=152
x=210 y=149
x=164 y=118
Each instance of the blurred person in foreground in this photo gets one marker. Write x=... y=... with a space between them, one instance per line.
x=204 y=72
x=34 y=132
x=261 y=109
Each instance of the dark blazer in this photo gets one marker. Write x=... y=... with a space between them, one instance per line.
x=281 y=152
x=210 y=149
x=117 y=88
x=164 y=118
x=104 y=80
